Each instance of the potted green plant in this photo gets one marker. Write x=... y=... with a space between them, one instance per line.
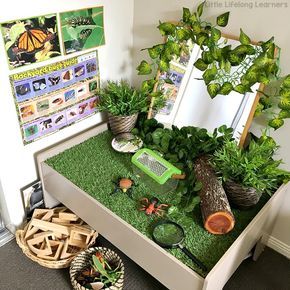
x=249 y=172
x=122 y=102
x=97 y=268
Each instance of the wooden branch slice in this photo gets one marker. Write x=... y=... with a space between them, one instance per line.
x=216 y=212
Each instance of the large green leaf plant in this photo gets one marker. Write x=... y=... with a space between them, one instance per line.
x=225 y=67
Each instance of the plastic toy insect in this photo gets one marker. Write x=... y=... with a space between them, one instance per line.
x=151 y=206
x=125 y=185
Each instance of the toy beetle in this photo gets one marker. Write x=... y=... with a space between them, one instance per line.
x=151 y=206
x=125 y=185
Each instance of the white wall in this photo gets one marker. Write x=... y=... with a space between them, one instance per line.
x=258 y=23
x=17 y=167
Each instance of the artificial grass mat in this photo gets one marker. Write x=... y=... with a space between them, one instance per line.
x=93 y=165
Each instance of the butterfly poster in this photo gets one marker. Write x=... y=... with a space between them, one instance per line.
x=55 y=96
x=82 y=29
x=31 y=40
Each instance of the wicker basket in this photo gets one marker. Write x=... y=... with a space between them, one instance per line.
x=241 y=197
x=122 y=124
x=63 y=263
x=83 y=260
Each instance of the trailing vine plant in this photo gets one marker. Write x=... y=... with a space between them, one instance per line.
x=225 y=68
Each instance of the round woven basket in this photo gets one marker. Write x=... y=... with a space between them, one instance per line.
x=122 y=124
x=241 y=197
x=59 y=264
x=83 y=260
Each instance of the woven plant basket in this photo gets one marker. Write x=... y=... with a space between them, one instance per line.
x=122 y=124
x=241 y=197
x=83 y=260
x=63 y=263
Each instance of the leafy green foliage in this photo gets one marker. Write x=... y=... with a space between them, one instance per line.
x=223 y=19
x=108 y=276
x=226 y=67
x=120 y=99
x=181 y=147
x=251 y=167
x=144 y=68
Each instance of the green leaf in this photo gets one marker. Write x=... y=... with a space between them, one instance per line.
x=164 y=65
x=266 y=45
x=186 y=15
x=201 y=65
x=174 y=47
x=213 y=89
x=226 y=88
x=241 y=89
x=194 y=202
x=166 y=28
x=276 y=123
x=286 y=82
x=223 y=19
x=209 y=75
x=207 y=57
x=263 y=61
x=148 y=85
x=216 y=53
x=144 y=68
x=228 y=67
x=284 y=103
x=200 y=8
x=182 y=34
x=284 y=114
x=215 y=34
x=196 y=28
x=200 y=38
x=271 y=51
x=285 y=93
x=235 y=59
x=244 y=38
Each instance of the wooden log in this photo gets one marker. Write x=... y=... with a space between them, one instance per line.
x=216 y=212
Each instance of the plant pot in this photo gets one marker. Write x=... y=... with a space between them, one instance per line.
x=122 y=124
x=83 y=260
x=241 y=197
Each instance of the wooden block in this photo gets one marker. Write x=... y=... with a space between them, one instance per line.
x=79 y=236
x=45 y=234
x=48 y=226
x=64 y=253
x=68 y=216
x=56 y=247
x=40 y=212
x=60 y=221
x=31 y=230
x=40 y=246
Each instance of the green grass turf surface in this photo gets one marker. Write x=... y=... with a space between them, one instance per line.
x=93 y=165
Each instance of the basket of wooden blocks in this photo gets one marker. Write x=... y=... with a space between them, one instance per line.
x=54 y=237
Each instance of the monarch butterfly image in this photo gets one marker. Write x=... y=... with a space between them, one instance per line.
x=32 y=40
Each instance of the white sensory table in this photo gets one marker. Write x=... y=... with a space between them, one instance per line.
x=166 y=268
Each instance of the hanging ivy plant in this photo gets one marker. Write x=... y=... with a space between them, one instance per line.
x=225 y=68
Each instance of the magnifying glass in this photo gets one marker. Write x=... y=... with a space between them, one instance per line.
x=168 y=234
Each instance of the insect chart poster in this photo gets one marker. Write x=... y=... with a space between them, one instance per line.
x=31 y=40
x=82 y=29
x=52 y=97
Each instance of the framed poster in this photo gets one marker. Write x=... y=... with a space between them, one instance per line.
x=31 y=40
x=82 y=29
x=52 y=97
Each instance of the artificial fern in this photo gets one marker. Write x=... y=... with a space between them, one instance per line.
x=120 y=99
x=251 y=167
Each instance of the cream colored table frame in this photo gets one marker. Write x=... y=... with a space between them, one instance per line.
x=155 y=260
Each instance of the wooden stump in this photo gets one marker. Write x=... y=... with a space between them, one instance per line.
x=216 y=212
